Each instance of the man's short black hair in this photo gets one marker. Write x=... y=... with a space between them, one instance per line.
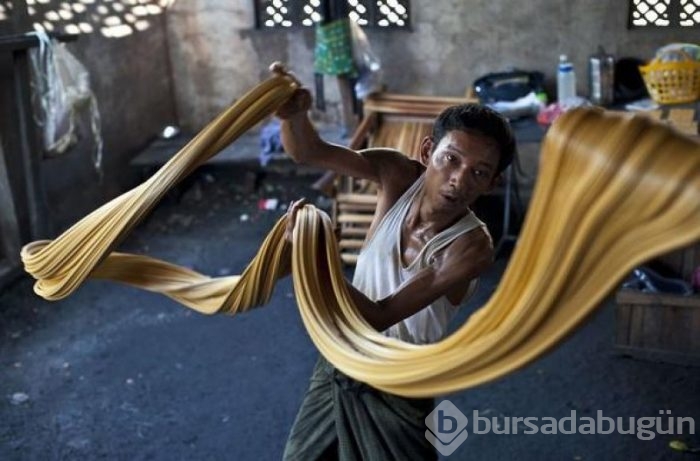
x=480 y=119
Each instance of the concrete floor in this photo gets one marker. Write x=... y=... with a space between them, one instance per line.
x=120 y=374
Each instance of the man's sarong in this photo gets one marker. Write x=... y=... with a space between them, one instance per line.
x=347 y=420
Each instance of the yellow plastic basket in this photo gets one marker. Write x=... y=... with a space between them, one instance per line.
x=672 y=82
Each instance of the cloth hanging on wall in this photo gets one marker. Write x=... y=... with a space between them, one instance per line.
x=333 y=50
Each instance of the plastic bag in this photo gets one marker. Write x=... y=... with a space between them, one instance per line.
x=61 y=88
x=368 y=65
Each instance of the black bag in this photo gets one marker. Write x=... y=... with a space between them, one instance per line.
x=507 y=86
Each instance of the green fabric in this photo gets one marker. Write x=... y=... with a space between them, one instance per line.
x=333 y=51
x=347 y=420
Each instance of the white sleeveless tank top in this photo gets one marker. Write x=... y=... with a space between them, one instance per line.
x=380 y=272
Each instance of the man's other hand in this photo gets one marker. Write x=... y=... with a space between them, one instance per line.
x=292 y=211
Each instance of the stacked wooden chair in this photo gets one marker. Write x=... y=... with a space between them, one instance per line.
x=397 y=121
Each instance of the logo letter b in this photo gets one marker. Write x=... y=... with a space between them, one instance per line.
x=478 y=420
x=441 y=426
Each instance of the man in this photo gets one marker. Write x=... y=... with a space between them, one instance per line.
x=423 y=253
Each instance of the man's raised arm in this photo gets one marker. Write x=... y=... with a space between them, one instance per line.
x=303 y=143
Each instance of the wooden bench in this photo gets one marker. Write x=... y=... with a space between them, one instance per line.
x=243 y=153
x=244 y=150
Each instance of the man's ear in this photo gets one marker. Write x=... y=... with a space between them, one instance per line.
x=426 y=147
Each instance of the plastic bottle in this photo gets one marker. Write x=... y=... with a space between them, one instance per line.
x=566 y=80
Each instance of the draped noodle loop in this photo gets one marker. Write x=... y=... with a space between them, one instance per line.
x=613 y=190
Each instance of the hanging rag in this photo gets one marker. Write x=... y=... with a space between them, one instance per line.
x=333 y=51
x=61 y=88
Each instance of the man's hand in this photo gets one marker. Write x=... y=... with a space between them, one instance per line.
x=298 y=103
x=292 y=211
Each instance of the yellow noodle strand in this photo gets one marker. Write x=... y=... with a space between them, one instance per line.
x=613 y=191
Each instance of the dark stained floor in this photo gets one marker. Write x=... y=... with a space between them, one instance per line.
x=119 y=374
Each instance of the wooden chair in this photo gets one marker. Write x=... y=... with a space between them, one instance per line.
x=397 y=121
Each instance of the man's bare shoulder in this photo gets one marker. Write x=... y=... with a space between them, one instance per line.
x=471 y=252
x=387 y=157
x=463 y=260
x=477 y=240
x=395 y=170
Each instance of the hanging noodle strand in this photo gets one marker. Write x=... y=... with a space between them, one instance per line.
x=613 y=191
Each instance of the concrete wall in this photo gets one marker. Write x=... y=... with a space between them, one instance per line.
x=193 y=61
x=130 y=77
x=217 y=54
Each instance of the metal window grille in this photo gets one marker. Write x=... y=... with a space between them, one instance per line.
x=664 y=13
x=690 y=13
x=306 y=13
x=111 y=18
x=5 y=10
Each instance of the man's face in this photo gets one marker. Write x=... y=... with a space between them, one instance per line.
x=459 y=169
